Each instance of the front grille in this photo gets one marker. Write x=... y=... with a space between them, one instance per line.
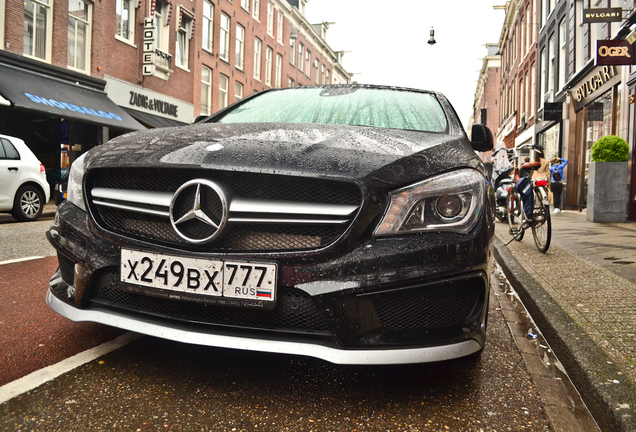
x=432 y=307
x=247 y=230
x=295 y=311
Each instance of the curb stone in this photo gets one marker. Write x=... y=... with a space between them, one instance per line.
x=610 y=399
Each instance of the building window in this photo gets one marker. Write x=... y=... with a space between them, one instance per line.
x=279 y=28
x=328 y=78
x=223 y=80
x=240 y=46
x=292 y=51
x=533 y=87
x=542 y=78
x=268 y=66
x=551 y=64
x=301 y=49
x=316 y=74
x=544 y=15
x=522 y=104
x=245 y=4
x=125 y=20
x=308 y=63
x=563 y=45
x=257 y=59
x=184 y=33
x=527 y=90
x=270 y=19
x=206 y=90
x=528 y=28
x=224 y=54
x=279 y=70
x=322 y=75
x=79 y=34
x=208 y=25
x=37 y=24
x=290 y=82
x=256 y=10
x=238 y=91
x=161 y=35
x=522 y=37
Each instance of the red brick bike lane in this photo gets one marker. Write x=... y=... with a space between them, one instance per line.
x=32 y=336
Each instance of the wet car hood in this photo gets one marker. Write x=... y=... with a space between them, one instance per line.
x=328 y=151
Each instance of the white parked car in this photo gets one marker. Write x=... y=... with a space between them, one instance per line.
x=23 y=186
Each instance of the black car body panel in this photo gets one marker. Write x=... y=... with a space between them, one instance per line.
x=345 y=295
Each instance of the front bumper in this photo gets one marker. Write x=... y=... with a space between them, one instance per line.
x=388 y=301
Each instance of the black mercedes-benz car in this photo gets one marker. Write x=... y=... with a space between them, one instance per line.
x=349 y=223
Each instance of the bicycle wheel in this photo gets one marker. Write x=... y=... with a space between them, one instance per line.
x=541 y=224
x=515 y=214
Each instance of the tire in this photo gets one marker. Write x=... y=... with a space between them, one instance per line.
x=515 y=214
x=28 y=204
x=541 y=225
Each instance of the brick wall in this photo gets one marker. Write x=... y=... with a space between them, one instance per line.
x=116 y=58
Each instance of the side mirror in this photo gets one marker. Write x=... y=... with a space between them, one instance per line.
x=481 y=138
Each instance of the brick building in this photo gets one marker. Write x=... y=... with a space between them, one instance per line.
x=75 y=74
x=518 y=47
x=486 y=104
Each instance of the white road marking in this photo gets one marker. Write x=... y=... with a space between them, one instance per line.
x=21 y=259
x=37 y=378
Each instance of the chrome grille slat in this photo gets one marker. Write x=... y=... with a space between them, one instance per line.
x=267 y=217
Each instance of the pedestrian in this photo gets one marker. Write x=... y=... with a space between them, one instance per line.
x=557 y=182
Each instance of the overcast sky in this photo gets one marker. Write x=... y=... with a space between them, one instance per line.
x=388 y=42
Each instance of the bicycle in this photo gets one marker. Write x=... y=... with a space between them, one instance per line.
x=540 y=223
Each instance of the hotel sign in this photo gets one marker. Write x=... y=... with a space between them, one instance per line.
x=602 y=15
x=149 y=46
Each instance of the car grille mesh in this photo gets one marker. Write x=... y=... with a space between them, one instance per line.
x=246 y=236
x=433 y=307
x=295 y=311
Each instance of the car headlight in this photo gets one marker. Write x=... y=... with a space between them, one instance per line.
x=75 y=177
x=448 y=202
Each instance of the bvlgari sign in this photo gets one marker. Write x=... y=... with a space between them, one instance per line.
x=602 y=15
x=594 y=85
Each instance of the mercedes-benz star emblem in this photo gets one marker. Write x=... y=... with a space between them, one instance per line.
x=198 y=211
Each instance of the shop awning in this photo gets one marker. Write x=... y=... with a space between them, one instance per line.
x=36 y=92
x=152 y=121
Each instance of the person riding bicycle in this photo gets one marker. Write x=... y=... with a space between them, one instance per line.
x=541 y=167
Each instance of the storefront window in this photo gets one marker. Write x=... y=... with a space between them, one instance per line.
x=599 y=122
x=549 y=140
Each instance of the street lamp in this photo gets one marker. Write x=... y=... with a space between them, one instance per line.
x=431 y=40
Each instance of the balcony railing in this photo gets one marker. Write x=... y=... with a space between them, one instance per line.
x=162 y=59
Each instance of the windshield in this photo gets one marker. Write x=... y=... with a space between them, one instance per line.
x=382 y=108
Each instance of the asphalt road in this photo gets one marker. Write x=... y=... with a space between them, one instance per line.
x=153 y=384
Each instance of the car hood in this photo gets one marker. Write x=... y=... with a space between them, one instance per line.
x=361 y=154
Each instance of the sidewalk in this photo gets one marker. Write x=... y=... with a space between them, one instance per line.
x=582 y=295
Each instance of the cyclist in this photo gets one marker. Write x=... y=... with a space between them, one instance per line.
x=541 y=167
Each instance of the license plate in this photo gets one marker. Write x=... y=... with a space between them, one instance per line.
x=214 y=279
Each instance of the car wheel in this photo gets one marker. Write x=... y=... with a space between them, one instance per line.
x=28 y=204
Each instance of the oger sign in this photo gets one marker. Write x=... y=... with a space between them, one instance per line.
x=614 y=52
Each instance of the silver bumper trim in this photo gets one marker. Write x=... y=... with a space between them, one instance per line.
x=333 y=355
